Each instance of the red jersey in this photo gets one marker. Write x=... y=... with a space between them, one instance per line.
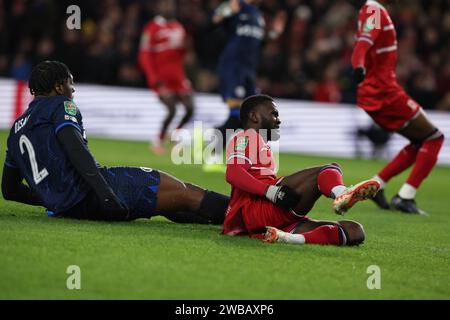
x=379 y=57
x=379 y=94
x=162 y=50
x=249 y=152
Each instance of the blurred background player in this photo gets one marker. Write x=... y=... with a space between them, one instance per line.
x=374 y=61
x=161 y=56
x=47 y=146
x=245 y=30
x=260 y=199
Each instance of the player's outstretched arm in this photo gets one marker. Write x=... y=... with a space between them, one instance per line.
x=84 y=163
x=13 y=189
x=238 y=176
x=358 y=59
x=145 y=59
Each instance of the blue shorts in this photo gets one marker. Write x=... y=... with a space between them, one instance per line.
x=236 y=82
x=135 y=187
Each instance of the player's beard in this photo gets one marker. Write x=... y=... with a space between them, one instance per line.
x=271 y=133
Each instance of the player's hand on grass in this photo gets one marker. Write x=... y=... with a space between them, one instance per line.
x=282 y=196
x=359 y=74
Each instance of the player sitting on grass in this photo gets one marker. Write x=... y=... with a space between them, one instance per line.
x=47 y=147
x=260 y=199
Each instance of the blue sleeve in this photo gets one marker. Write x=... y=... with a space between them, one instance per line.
x=67 y=113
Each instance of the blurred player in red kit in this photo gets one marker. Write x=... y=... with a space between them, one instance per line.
x=379 y=94
x=161 y=56
x=265 y=206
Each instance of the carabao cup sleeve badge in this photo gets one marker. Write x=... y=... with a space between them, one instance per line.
x=241 y=143
x=70 y=107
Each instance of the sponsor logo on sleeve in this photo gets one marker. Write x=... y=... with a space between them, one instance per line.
x=70 y=108
x=70 y=118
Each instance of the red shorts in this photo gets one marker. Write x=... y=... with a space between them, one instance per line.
x=174 y=85
x=394 y=111
x=260 y=213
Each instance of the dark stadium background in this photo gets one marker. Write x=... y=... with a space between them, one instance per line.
x=310 y=61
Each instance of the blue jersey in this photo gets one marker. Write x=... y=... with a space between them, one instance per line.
x=245 y=31
x=34 y=149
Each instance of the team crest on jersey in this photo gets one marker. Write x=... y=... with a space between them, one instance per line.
x=70 y=108
x=241 y=143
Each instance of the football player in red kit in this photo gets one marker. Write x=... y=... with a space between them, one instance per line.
x=374 y=61
x=161 y=56
x=263 y=205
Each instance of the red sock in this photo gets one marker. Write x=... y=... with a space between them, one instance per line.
x=402 y=161
x=326 y=234
x=425 y=161
x=329 y=178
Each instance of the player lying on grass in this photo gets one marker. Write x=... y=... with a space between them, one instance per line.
x=260 y=199
x=47 y=147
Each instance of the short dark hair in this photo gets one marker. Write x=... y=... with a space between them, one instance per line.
x=46 y=75
x=251 y=103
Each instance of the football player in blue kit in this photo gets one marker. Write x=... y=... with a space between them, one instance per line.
x=245 y=30
x=47 y=147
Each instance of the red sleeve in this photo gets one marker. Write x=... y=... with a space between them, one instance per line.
x=145 y=57
x=359 y=53
x=242 y=153
x=372 y=21
x=238 y=177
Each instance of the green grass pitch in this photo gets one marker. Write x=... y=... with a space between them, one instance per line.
x=158 y=259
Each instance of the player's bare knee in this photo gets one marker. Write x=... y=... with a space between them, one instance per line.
x=354 y=232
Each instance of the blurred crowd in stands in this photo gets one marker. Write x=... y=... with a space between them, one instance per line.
x=310 y=61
